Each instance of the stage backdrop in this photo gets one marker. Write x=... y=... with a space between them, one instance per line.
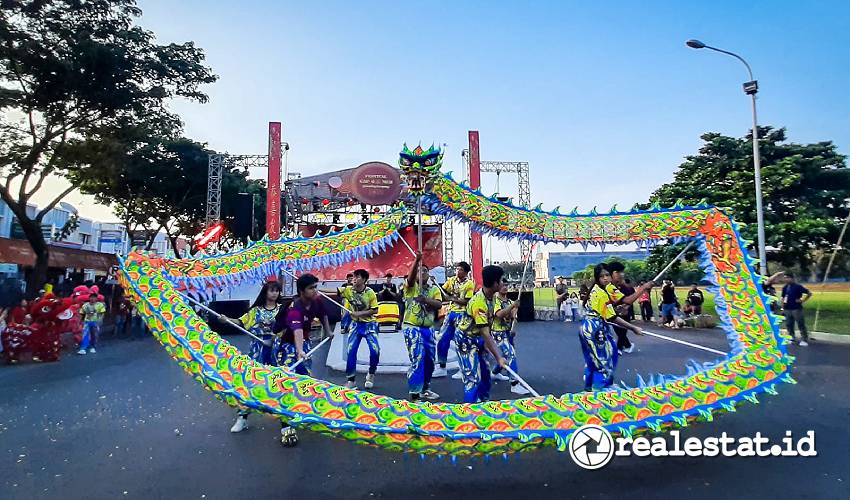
x=396 y=260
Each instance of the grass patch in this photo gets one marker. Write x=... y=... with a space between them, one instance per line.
x=834 y=305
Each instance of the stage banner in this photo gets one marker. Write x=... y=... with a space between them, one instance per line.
x=273 y=190
x=396 y=260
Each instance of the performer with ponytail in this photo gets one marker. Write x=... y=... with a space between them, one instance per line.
x=259 y=320
x=598 y=342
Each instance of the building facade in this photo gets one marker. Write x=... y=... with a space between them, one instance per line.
x=549 y=265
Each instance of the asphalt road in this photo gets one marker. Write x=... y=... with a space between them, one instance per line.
x=128 y=423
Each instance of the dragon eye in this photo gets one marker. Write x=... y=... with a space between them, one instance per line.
x=429 y=162
x=405 y=162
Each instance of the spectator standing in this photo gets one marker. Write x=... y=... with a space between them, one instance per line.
x=389 y=293
x=583 y=295
x=561 y=294
x=668 y=301
x=92 y=312
x=137 y=329
x=645 y=301
x=121 y=317
x=574 y=303
x=793 y=297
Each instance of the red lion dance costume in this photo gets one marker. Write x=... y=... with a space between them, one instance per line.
x=43 y=336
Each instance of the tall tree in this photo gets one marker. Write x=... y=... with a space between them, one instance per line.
x=806 y=188
x=68 y=67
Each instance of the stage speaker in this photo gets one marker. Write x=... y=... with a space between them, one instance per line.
x=526 y=305
x=231 y=309
x=243 y=216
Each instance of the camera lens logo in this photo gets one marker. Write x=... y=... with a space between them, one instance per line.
x=591 y=447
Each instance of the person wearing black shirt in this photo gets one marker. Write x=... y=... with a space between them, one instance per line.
x=623 y=296
x=390 y=291
x=561 y=294
x=695 y=299
x=668 y=301
x=793 y=296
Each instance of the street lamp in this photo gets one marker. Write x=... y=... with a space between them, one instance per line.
x=751 y=88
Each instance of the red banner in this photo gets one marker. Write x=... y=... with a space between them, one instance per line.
x=273 y=192
x=475 y=183
x=396 y=260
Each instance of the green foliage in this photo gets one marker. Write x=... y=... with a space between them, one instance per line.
x=644 y=270
x=805 y=188
x=68 y=69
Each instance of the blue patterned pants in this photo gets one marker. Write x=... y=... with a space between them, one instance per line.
x=285 y=354
x=447 y=334
x=262 y=353
x=91 y=331
x=505 y=341
x=599 y=346
x=420 y=348
x=473 y=367
x=357 y=332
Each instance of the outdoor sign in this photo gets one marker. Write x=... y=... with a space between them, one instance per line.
x=375 y=183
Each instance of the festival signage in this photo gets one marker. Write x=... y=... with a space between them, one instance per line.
x=375 y=183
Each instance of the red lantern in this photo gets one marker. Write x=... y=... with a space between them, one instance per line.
x=326 y=202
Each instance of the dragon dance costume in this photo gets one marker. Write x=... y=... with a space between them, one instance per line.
x=462 y=290
x=469 y=343
x=598 y=342
x=361 y=328
x=419 y=337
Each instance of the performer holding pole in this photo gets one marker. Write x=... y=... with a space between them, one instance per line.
x=473 y=336
x=421 y=305
x=505 y=312
x=293 y=329
x=259 y=321
x=596 y=336
x=460 y=289
x=364 y=306
x=617 y=290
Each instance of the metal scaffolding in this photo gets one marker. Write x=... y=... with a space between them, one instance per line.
x=523 y=188
x=218 y=163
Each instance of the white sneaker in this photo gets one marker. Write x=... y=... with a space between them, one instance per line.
x=430 y=395
x=439 y=372
x=351 y=384
x=500 y=376
x=370 y=381
x=630 y=349
x=81 y=352
x=519 y=389
x=803 y=343
x=92 y=350
x=457 y=376
x=240 y=425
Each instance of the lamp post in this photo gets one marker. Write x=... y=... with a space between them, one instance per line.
x=751 y=88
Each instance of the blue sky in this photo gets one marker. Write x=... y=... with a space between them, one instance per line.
x=602 y=98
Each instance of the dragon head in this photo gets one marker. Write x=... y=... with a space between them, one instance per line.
x=419 y=166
